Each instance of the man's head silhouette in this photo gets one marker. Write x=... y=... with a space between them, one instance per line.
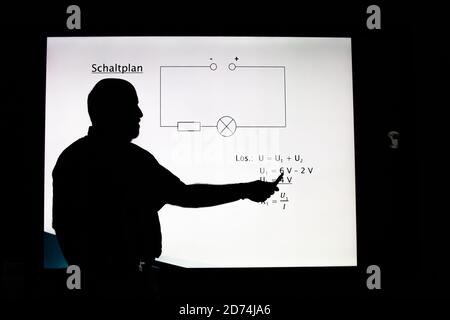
x=113 y=109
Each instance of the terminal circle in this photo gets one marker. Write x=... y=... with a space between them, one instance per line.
x=226 y=126
x=232 y=66
x=213 y=66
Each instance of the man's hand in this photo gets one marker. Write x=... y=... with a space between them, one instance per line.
x=260 y=191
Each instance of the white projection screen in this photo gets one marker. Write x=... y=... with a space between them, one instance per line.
x=221 y=110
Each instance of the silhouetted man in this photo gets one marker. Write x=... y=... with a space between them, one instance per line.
x=107 y=192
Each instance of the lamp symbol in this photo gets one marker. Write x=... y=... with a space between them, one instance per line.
x=394 y=136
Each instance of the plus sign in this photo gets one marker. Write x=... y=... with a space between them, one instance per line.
x=236 y=58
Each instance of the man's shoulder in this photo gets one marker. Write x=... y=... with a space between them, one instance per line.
x=73 y=151
x=82 y=145
x=74 y=148
x=141 y=153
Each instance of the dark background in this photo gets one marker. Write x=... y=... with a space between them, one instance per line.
x=395 y=228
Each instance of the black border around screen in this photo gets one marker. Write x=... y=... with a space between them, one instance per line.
x=387 y=225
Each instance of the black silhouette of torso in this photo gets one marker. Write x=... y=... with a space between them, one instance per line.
x=106 y=195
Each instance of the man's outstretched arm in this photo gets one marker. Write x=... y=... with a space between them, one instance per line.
x=206 y=195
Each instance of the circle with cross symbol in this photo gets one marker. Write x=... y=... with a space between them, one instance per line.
x=226 y=126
